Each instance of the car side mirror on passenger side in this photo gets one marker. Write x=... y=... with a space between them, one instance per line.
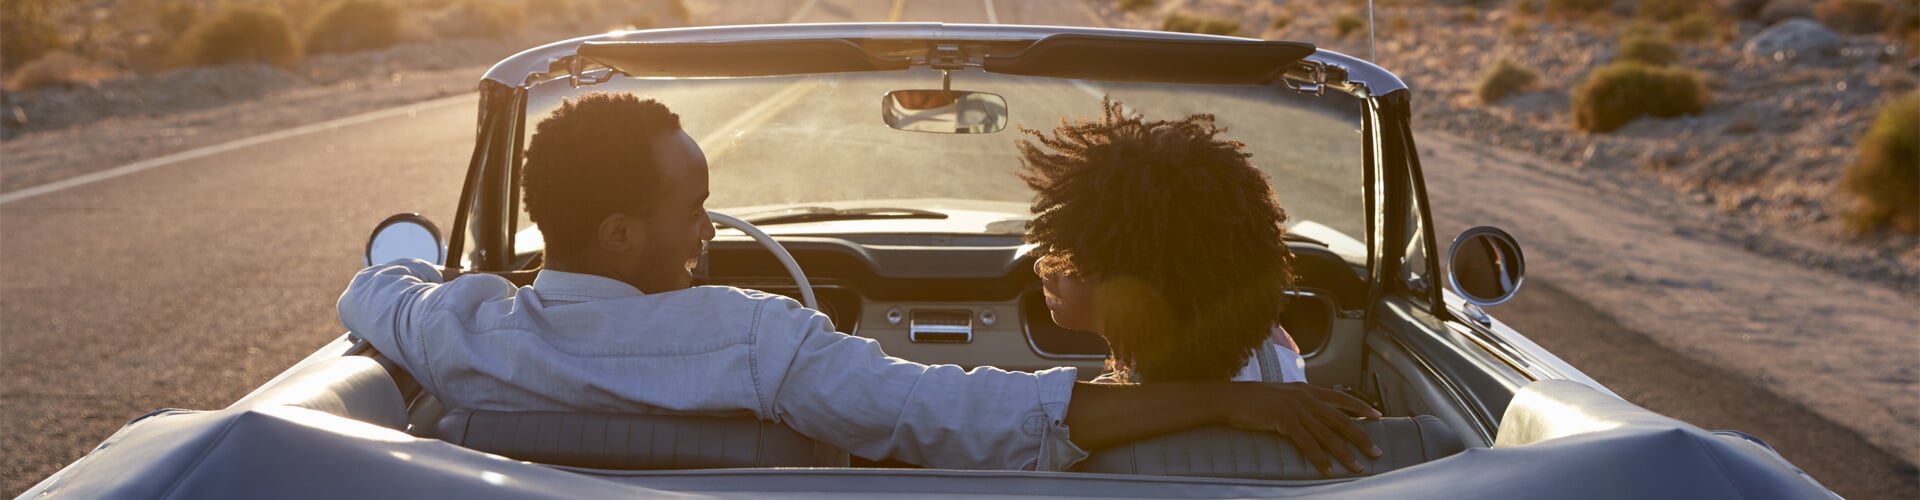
x=1485 y=266
x=406 y=236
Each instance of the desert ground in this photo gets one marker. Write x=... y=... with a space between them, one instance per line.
x=1703 y=266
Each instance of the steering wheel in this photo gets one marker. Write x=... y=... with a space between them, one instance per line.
x=779 y=252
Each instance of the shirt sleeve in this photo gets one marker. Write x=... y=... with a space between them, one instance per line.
x=844 y=390
x=382 y=305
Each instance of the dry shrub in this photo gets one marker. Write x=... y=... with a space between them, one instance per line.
x=1668 y=10
x=1886 y=180
x=1621 y=92
x=1694 y=28
x=1576 y=8
x=1399 y=23
x=1640 y=27
x=176 y=18
x=482 y=19
x=1199 y=24
x=1646 y=49
x=1903 y=23
x=56 y=68
x=1506 y=78
x=1852 y=16
x=1519 y=29
x=165 y=21
x=239 y=35
x=354 y=25
x=26 y=32
x=1466 y=16
x=1742 y=9
x=1281 y=21
x=1135 y=5
x=1348 y=24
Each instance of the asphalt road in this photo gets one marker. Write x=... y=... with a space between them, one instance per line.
x=188 y=284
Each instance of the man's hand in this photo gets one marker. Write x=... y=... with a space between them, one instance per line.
x=1317 y=420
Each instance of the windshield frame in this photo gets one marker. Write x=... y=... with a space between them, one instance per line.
x=486 y=216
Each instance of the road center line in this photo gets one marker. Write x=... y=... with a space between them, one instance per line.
x=992 y=17
x=899 y=9
x=205 y=151
x=802 y=11
x=721 y=139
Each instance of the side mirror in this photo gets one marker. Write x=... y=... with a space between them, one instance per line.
x=1485 y=266
x=405 y=236
x=944 y=111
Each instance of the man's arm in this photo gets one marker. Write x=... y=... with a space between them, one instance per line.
x=378 y=304
x=1104 y=415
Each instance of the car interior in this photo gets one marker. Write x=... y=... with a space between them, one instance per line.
x=982 y=307
x=973 y=299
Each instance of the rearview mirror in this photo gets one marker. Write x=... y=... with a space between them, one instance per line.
x=405 y=236
x=1485 y=266
x=944 y=111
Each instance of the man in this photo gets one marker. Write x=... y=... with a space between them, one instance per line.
x=612 y=324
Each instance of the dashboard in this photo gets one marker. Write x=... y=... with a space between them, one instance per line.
x=973 y=300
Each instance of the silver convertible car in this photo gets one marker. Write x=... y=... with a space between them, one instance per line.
x=869 y=170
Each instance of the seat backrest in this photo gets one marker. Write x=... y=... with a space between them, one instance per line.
x=632 y=441
x=1221 y=451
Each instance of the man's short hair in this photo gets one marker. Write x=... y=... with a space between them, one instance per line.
x=1183 y=231
x=592 y=158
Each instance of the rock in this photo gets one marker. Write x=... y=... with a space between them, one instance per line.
x=1667 y=157
x=1794 y=39
x=1747 y=29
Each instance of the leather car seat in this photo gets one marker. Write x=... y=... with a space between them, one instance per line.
x=1221 y=451
x=633 y=442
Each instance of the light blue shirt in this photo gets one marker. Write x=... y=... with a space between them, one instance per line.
x=580 y=342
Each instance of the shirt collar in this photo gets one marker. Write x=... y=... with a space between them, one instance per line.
x=563 y=285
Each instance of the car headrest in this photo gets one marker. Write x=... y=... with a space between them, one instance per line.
x=632 y=441
x=354 y=387
x=1221 y=451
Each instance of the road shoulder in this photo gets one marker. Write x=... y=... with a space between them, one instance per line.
x=1836 y=345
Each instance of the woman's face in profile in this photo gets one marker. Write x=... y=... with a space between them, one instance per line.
x=1069 y=296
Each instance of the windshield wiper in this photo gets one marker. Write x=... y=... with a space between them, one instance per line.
x=799 y=215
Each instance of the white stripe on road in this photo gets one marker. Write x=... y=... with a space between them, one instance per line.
x=802 y=11
x=1102 y=95
x=992 y=17
x=718 y=141
x=202 y=152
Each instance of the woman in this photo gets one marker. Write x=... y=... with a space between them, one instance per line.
x=1165 y=240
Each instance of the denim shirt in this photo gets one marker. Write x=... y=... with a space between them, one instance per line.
x=579 y=342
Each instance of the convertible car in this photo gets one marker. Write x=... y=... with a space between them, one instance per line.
x=869 y=171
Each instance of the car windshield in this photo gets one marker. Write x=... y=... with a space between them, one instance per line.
x=820 y=139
